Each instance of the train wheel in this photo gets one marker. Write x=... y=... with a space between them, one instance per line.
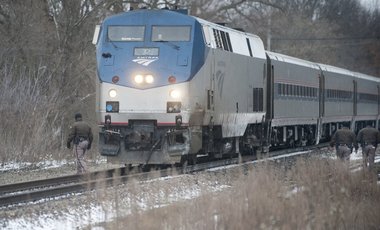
x=128 y=167
x=190 y=159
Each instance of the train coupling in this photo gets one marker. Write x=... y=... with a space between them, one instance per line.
x=109 y=142
x=178 y=141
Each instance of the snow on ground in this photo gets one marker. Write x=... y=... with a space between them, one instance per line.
x=86 y=214
x=25 y=165
x=84 y=210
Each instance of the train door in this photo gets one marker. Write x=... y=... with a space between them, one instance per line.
x=378 y=106
x=321 y=112
x=355 y=100
x=378 y=100
x=321 y=95
x=270 y=87
x=210 y=42
x=355 y=105
x=210 y=78
x=210 y=93
x=269 y=104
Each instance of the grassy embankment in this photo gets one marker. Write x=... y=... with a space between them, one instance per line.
x=313 y=194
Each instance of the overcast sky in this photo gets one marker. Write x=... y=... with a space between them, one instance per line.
x=371 y=3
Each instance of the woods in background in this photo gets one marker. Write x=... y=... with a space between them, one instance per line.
x=47 y=61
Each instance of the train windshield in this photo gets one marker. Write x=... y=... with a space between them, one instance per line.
x=171 y=33
x=126 y=33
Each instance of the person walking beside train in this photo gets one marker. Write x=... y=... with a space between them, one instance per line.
x=81 y=135
x=344 y=140
x=368 y=138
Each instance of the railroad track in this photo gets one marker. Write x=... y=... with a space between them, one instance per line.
x=49 y=188
x=53 y=187
x=21 y=193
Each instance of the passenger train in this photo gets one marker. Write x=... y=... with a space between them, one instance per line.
x=172 y=87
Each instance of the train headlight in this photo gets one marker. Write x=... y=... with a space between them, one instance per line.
x=175 y=94
x=112 y=93
x=139 y=79
x=149 y=79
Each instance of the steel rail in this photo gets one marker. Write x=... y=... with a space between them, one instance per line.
x=81 y=184
x=36 y=190
x=30 y=185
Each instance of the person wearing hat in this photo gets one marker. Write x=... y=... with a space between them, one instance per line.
x=368 y=138
x=344 y=140
x=81 y=135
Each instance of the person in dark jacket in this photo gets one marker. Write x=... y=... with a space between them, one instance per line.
x=81 y=135
x=368 y=138
x=344 y=140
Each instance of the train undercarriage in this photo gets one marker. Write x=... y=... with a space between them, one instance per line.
x=143 y=142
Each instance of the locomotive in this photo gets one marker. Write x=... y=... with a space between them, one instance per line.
x=172 y=87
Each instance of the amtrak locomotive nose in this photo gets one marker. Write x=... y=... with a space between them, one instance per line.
x=146 y=59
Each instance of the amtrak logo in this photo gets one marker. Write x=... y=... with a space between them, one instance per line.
x=144 y=61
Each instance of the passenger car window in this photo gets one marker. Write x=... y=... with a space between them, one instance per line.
x=171 y=33
x=126 y=33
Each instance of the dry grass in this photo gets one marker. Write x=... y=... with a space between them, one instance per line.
x=25 y=110
x=313 y=194
x=34 y=112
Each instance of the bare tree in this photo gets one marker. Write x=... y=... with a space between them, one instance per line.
x=46 y=45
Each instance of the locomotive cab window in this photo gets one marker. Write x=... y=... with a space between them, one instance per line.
x=126 y=33
x=171 y=33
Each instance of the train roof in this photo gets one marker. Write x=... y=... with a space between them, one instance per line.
x=334 y=69
x=290 y=59
x=323 y=67
x=162 y=15
x=366 y=77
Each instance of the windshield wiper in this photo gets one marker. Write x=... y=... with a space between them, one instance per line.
x=114 y=45
x=174 y=46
